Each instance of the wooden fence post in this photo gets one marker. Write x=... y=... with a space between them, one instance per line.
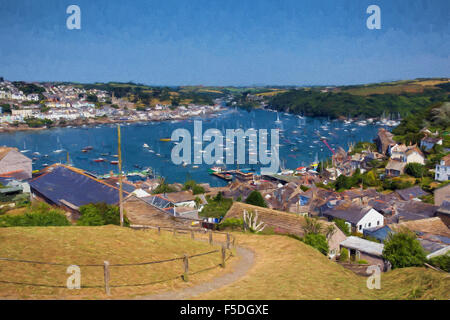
x=223 y=256
x=210 y=237
x=106 y=275
x=186 y=268
x=192 y=234
x=228 y=240
x=174 y=232
x=159 y=231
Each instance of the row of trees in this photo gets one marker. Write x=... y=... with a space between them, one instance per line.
x=317 y=104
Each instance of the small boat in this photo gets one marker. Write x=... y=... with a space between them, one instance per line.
x=88 y=148
x=114 y=162
x=58 y=151
x=145 y=145
x=99 y=160
x=184 y=164
x=104 y=154
x=165 y=139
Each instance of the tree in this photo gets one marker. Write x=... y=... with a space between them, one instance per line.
x=340 y=223
x=344 y=256
x=317 y=241
x=98 y=214
x=255 y=198
x=92 y=98
x=312 y=226
x=402 y=249
x=415 y=169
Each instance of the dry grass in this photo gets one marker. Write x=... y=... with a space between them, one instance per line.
x=286 y=268
x=93 y=245
x=271 y=93
x=415 y=283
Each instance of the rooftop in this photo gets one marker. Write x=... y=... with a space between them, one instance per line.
x=363 y=245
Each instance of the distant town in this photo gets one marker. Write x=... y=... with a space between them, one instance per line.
x=35 y=105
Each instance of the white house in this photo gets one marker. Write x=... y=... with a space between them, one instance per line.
x=356 y=217
x=442 y=172
x=408 y=154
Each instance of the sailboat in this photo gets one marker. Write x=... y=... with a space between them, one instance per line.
x=60 y=148
x=25 y=150
x=278 y=119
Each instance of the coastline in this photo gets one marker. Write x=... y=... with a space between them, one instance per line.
x=96 y=121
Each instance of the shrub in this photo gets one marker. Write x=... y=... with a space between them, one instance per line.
x=217 y=207
x=37 y=215
x=231 y=223
x=255 y=198
x=317 y=241
x=415 y=169
x=98 y=214
x=340 y=223
x=362 y=261
x=344 y=255
x=402 y=249
x=442 y=262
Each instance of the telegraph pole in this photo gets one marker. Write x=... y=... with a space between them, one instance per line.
x=119 y=153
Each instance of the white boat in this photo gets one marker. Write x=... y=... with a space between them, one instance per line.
x=25 y=150
x=278 y=119
x=145 y=145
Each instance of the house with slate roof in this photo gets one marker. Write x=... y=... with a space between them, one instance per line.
x=358 y=217
x=70 y=188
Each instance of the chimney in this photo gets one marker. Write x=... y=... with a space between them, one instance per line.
x=365 y=201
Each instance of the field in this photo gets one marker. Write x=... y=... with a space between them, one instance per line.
x=282 y=268
x=93 y=245
x=398 y=87
x=286 y=268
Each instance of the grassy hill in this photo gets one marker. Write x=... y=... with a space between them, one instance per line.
x=93 y=245
x=286 y=268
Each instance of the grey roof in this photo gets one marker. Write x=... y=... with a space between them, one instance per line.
x=363 y=245
x=413 y=192
x=415 y=210
x=352 y=214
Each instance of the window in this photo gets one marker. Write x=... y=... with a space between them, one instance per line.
x=360 y=227
x=378 y=223
x=369 y=224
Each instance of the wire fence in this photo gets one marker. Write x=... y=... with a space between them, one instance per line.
x=225 y=251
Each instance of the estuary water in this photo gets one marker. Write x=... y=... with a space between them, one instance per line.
x=300 y=143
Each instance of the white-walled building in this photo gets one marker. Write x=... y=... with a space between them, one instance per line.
x=442 y=171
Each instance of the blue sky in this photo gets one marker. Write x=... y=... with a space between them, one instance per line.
x=227 y=42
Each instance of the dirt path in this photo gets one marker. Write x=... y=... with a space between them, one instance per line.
x=246 y=261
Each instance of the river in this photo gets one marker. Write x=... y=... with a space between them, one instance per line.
x=299 y=141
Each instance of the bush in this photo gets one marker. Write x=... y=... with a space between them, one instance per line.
x=99 y=214
x=402 y=250
x=231 y=223
x=317 y=241
x=340 y=223
x=163 y=188
x=441 y=262
x=344 y=256
x=415 y=169
x=217 y=207
x=255 y=198
x=37 y=215
x=362 y=261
